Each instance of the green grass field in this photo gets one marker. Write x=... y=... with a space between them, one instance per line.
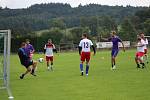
x=65 y=83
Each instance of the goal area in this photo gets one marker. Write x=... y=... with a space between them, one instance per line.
x=5 y=44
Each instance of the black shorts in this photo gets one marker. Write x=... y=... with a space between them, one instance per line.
x=27 y=63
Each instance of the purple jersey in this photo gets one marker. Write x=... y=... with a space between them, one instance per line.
x=115 y=40
x=29 y=49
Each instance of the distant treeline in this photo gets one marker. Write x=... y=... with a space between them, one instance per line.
x=69 y=23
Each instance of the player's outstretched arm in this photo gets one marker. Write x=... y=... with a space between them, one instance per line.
x=94 y=49
x=123 y=46
x=80 y=48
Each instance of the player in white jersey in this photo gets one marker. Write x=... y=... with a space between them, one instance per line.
x=140 y=53
x=84 y=51
x=48 y=50
x=145 y=46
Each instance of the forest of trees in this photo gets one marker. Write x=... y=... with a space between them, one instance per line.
x=65 y=23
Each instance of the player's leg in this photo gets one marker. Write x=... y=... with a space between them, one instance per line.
x=137 y=61
x=51 y=59
x=113 y=58
x=26 y=72
x=81 y=63
x=141 y=60
x=34 y=65
x=87 y=63
x=47 y=61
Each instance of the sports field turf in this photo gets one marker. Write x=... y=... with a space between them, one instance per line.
x=65 y=83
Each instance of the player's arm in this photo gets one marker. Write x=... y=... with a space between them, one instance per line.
x=93 y=49
x=122 y=44
x=105 y=39
x=92 y=45
x=32 y=48
x=54 y=48
x=80 y=48
x=140 y=45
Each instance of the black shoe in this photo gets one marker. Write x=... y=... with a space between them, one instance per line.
x=138 y=66
x=22 y=76
x=143 y=65
x=33 y=74
x=81 y=73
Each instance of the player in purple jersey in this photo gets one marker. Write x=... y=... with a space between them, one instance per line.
x=29 y=49
x=115 y=47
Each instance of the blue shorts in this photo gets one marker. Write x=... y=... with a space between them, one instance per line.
x=27 y=63
x=114 y=53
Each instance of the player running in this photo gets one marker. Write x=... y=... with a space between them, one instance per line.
x=25 y=61
x=145 y=47
x=140 y=53
x=115 y=48
x=84 y=51
x=29 y=49
x=48 y=50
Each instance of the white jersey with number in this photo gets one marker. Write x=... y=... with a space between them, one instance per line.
x=49 y=49
x=140 y=47
x=85 y=44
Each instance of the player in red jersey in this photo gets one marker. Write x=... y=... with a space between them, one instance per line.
x=140 y=53
x=84 y=51
x=48 y=50
x=145 y=46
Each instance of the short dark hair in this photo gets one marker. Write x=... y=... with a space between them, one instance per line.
x=84 y=34
x=23 y=44
x=141 y=33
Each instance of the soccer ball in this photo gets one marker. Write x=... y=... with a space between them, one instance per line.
x=40 y=60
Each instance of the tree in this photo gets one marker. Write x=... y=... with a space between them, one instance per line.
x=127 y=31
x=58 y=23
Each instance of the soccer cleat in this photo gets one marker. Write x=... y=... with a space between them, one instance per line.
x=143 y=65
x=87 y=74
x=81 y=73
x=51 y=68
x=138 y=66
x=114 y=67
x=33 y=74
x=22 y=76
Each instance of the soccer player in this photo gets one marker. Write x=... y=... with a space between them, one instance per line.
x=145 y=46
x=25 y=61
x=115 y=48
x=48 y=50
x=140 y=53
x=84 y=52
x=29 y=49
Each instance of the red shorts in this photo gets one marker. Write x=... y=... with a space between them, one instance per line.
x=49 y=58
x=85 y=56
x=145 y=51
x=139 y=54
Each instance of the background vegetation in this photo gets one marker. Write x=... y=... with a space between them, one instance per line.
x=63 y=23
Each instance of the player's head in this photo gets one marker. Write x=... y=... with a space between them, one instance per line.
x=27 y=41
x=113 y=33
x=23 y=45
x=49 y=41
x=141 y=35
x=84 y=35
